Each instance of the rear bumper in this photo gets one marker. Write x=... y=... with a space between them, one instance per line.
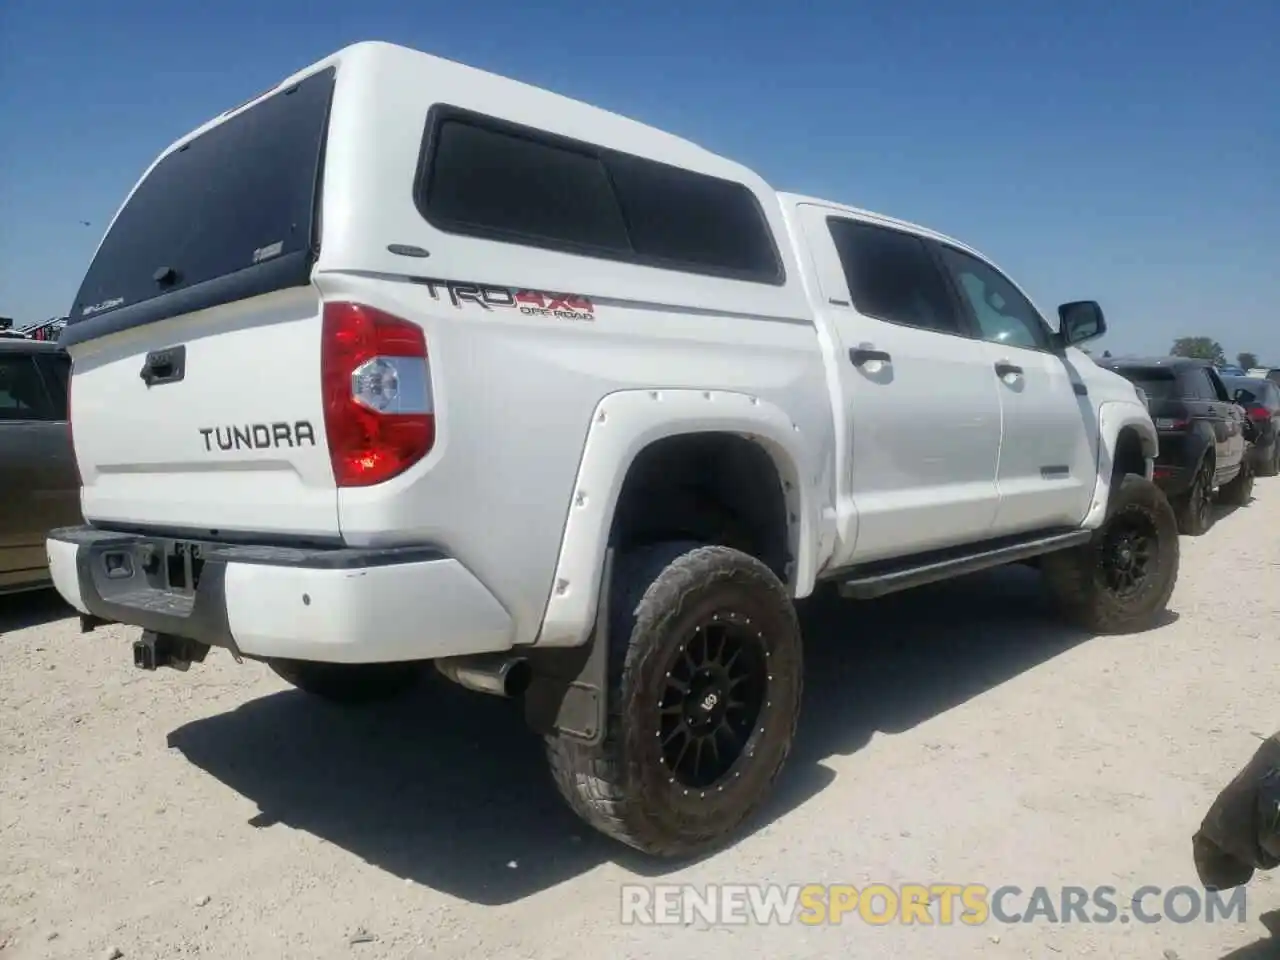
x=1263 y=449
x=330 y=605
x=1173 y=480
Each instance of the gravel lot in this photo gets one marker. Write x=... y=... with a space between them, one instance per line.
x=953 y=734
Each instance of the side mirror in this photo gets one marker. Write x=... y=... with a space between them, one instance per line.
x=1079 y=321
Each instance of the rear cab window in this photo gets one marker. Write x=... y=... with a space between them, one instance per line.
x=55 y=369
x=1158 y=383
x=229 y=215
x=23 y=395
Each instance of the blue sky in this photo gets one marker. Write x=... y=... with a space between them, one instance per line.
x=1123 y=151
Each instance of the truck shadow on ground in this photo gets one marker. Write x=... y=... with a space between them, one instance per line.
x=448 y=788
x=1266 y=949
x=1220 y=512
x=36 y=608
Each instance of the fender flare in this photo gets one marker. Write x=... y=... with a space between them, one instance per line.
x=1113 y=417
x=622 y=425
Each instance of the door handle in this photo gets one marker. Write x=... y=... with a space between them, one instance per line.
x=164 y=366
x=860 y=356
x=1006 y=369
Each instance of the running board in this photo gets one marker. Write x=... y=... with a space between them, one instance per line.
x=878 y=579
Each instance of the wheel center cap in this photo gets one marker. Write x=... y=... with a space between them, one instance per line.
x=707 y=699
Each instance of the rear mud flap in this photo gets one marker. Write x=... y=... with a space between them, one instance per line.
x=568 y=693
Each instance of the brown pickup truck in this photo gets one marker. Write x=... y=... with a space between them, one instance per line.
x=39 y=486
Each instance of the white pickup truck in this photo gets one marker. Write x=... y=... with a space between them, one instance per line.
x=402 y=362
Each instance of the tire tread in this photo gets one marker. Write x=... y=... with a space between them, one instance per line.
x=594 y=780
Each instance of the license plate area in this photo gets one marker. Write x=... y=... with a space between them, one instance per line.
x=168 y=566
x=183 y=563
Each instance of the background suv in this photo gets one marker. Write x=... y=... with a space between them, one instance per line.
x=1203 y=435
x=1261 y=401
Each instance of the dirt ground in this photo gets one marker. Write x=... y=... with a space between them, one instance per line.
x=954 y=734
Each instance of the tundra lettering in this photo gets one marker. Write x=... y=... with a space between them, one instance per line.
x=259 y=436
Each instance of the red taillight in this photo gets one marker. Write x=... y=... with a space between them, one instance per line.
x=378 y=412
x=1259 y=413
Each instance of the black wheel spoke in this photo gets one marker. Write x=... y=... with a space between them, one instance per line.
x=1129 y=549
x=713 y=744
x=684 y=750
x=714 y=656
x=725 y=729
x=698 y=744
x=714 y=699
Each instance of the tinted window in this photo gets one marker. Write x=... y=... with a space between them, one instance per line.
x=687 y=218
x=1217 y=390
x=892 y=277
x=1197 y=385
x=22 y=394
x=1158 y=383
x=56 y=369
x=1003 y=315
x=520 y=187
x=237 y=197
x=489 y=178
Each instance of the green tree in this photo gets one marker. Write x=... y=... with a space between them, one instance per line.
x=1201 y=348
x=1247 y=360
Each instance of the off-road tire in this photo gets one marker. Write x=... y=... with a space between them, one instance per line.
x=623 y=787
x=1076 y=579
x=1194 y=509
x=350 y=683
x=1238 y=492
x=1271 y=466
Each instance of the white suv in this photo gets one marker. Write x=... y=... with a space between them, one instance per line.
x=403 y=362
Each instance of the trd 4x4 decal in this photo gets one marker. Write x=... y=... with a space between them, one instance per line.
x=532 y=303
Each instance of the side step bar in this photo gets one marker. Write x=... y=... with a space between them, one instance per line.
x=878 y=579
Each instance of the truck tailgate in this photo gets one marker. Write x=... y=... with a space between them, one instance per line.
x=228 y=435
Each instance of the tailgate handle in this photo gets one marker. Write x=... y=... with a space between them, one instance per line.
x=164 y=366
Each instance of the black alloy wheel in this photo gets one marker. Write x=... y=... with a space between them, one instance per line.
x=715 y=688
x=1202 y=495
x=1128 y=552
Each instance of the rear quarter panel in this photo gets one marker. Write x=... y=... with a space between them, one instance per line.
x=515 y=398
x=516 y=387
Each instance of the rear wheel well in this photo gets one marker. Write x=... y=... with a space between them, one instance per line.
x=1129 y=456
x=715 y=488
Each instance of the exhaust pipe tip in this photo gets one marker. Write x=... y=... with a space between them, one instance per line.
x=495 y=674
